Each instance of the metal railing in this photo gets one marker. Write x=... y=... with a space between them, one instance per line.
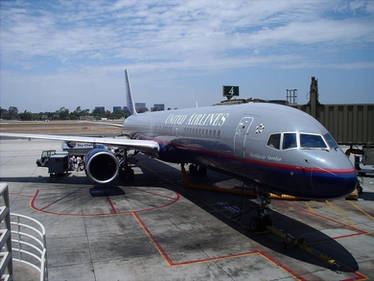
x=29 y=243
x=6 y=266
x=22 y=239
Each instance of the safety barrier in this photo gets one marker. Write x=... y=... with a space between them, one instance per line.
x=29 y=243
x=6 y=266
x=22 y=239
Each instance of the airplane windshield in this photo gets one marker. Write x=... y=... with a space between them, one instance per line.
x=312 y=141
x=330 y=140
x=274 y=141
x=289 y=140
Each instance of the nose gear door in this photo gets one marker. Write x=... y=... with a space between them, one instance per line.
x=241 y=132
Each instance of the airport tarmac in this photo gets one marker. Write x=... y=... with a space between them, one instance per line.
x=156 y=228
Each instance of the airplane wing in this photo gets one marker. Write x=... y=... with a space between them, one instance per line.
x=103 y=124
x=147 y=146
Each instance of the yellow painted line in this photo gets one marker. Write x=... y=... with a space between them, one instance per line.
x=340 y=213
x=363 y=211
x=309 y=207
x=152 y=239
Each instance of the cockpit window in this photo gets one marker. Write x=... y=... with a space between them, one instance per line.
x=330 y=140
x=274 y=141
x=289 y=140
x=311 y=141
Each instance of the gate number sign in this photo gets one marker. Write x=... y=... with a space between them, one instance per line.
x=230 y=91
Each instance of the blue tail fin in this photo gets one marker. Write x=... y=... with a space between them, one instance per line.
x=130 y=100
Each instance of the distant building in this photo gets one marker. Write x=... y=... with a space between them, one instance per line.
x=140 y=107
x=158 y=107
x=117 y=109
x=99 y=109
x=126 y=110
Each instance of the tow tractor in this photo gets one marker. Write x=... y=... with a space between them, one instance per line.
x=57 y=162
x=44 y=158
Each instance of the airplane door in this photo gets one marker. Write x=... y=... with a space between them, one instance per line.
x=241 y=132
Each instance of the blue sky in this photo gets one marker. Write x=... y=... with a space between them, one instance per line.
x=73 y=53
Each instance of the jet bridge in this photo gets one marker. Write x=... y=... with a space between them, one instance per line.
x=350 y=124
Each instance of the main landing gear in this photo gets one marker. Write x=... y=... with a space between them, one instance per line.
x=263 y=218
x=126 y=173
x=197 y=170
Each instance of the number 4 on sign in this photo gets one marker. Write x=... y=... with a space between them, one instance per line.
x=231 y=92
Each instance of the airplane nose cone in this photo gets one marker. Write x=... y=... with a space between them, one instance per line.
x=332 y=184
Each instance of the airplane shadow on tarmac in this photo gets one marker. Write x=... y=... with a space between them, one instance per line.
x=236 y=210
x=367 y=196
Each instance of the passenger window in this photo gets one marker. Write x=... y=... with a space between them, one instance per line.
x=311 y=141
x=274 y=141
x=289 y=140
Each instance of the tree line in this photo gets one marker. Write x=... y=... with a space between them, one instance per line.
x=63 y=113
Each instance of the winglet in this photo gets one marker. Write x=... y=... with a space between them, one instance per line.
x=130 y=100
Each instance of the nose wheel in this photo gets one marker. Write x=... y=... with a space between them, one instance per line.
x=197 y=170
x=263 y=218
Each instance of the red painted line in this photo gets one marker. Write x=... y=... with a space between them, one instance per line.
x=359 y=276
x=112 y=206
x=162 y=251
x=324 y=217
x=334 y=238
x=34 y=198
x=160 y=195
x=160 y=207
x=282 y=266
x=215 y=258
x=54 y=202
x=172 y=264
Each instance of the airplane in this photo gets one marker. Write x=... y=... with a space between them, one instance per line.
x=282 y=149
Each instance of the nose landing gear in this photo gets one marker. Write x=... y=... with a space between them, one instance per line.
x=197 y=170
x=263 y=218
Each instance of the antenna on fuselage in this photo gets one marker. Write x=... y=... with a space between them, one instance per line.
x=130 y=100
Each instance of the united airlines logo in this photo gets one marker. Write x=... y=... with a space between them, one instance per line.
x=198 y=119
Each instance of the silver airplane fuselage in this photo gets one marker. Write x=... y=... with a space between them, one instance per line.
x=281 y=148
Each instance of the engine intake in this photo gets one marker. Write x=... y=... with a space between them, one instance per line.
x=102 y=166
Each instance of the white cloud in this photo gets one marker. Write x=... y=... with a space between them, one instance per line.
x=171 y=32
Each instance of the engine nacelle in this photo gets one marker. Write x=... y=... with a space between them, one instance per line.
x=102 y=166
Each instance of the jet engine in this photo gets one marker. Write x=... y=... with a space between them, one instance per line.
x=102 y=166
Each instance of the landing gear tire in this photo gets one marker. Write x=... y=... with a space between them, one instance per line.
x=359 y=189
x=197 y=170
x=263 y=218
x=193 y=170
x=257 y=224
x=201 y=171
x=126 y=174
